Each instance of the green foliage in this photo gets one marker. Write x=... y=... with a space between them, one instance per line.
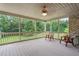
x=28 y=26
x=47 y=27
x=11 y=24
x=14 y=24
x=63 y=26
x=39 y=26
x=54 y=26
x=4 y=24
x=8 y=24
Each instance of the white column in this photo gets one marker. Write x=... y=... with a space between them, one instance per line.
x=19 y=27
x=58 y=28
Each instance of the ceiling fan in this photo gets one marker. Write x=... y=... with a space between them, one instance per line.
x=44 y=11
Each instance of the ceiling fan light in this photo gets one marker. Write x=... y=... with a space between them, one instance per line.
x=44 y=14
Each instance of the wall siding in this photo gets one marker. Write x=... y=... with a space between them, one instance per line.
x=74 y=25
x=74 y=28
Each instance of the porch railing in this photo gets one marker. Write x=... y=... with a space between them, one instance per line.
x=8 y=37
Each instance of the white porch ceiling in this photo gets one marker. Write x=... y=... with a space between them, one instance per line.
x=55 y=10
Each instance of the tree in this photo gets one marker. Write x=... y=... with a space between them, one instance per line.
x=63 y=26
x=28 y=26
x=47 y=27
x=8 y=23
x=4 y=24
x=39 y=26
x=54 y=25
x=13 y=24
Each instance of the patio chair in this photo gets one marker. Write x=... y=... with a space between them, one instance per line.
x=67 y=40
x=49 y=36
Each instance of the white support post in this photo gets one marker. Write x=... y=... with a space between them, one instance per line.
x=19 y=27
x=58 y=28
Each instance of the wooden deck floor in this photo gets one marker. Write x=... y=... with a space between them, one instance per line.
x=39 y=47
